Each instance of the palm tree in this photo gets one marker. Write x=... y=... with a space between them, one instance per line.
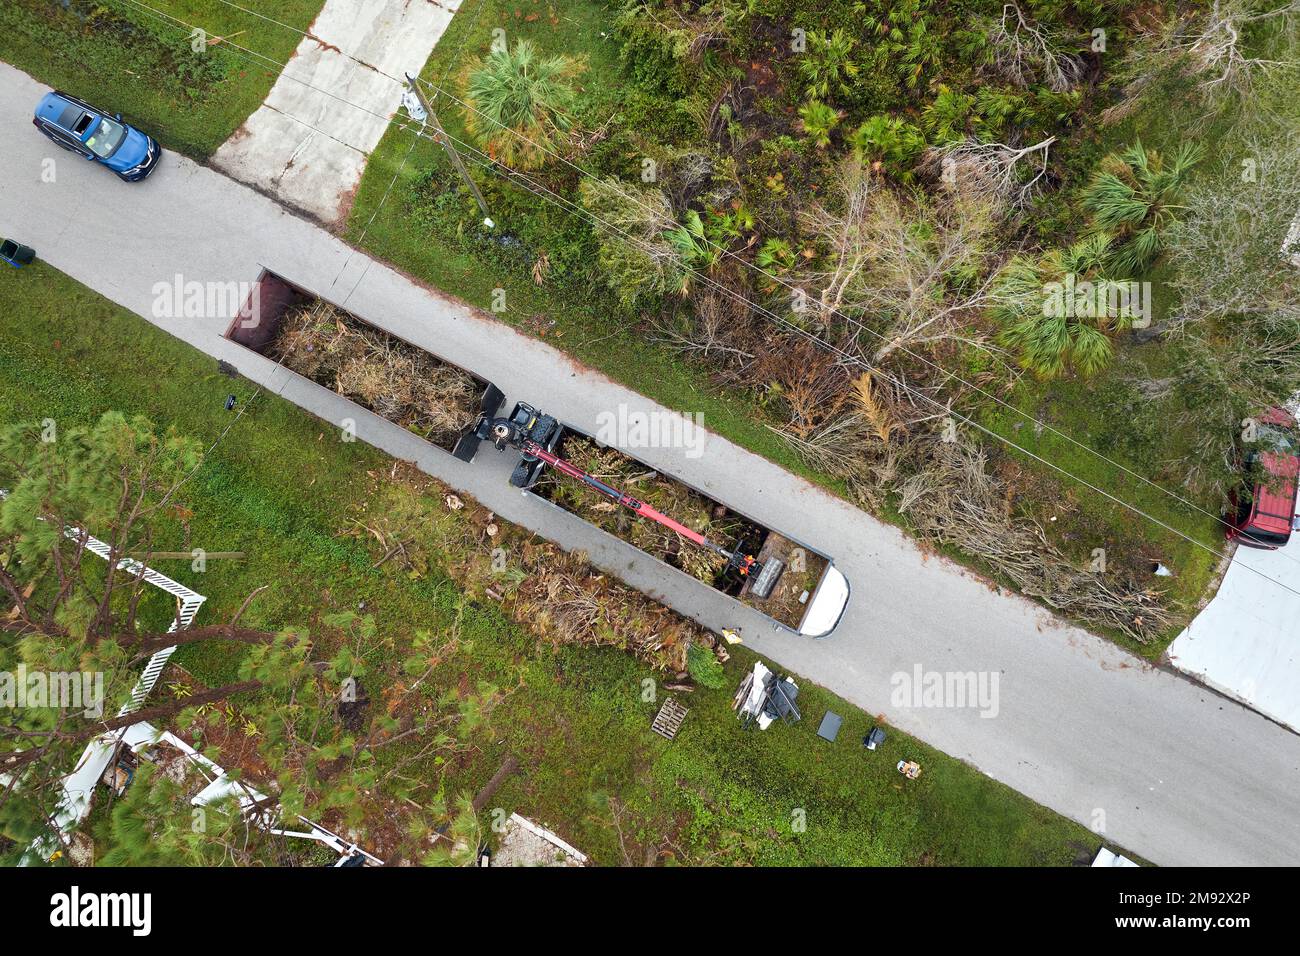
x=818 y=121
x=698 y=252
x=1133 y=197
x=517 y=102
x=1050 y=339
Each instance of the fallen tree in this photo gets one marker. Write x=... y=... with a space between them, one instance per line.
x=953 y=500
x=945 y=492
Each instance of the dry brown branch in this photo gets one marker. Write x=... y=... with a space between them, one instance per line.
x=1026 y=53
x=899 y=274
x=1204 y=45
x=951 y=499
x=990 y=172
x=877 y=410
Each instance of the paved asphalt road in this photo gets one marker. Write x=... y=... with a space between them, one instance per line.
x=1161 y=765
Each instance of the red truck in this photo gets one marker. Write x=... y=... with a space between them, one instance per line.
x=1261 y=511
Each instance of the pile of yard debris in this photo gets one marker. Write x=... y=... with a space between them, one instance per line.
x=949 y=497
x=418 y=524
x=386 y=375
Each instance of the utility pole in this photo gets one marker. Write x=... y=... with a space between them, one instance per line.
x=440 y=137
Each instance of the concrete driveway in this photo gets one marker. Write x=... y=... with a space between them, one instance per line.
x=1157 y=763
x=278 y=151
x=1246 y=642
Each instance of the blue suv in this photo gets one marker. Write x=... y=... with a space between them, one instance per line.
x=94 y=135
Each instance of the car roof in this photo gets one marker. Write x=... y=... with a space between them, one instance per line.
x=1275 y=499
x=58 y=109
x=1277 y=416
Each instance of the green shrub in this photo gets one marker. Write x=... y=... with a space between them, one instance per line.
x=999 y=112
x=639 y=261
x=819 y=120
x=518 y=102
x=1134 y=195
x=827 y=66
x=893 y=142
x=704 y=667
x=1051 y=341
x=653 y=55
x=947 y=117
x=909 y=41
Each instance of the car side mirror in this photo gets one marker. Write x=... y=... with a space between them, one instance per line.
x=118 y=117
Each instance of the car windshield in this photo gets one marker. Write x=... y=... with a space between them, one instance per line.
x=1278 y=440
x=105 y=137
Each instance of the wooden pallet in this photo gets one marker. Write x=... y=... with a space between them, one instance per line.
x=669 y=719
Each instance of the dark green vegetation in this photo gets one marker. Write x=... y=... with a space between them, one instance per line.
x=141 y=62
x=282 y=489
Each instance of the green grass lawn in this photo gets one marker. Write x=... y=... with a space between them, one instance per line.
x=138 y=62
x=280 y=487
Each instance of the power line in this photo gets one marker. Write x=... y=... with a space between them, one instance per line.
x=864 y=328
x=494 y=165
x=392 y=182
x=281 y=66
x=309 y=36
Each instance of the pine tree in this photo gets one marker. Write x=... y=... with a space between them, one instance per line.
x=321 y=750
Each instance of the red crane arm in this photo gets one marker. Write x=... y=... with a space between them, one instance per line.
x=529 y=447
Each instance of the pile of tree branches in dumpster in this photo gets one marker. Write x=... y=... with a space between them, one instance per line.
x=657 y=490
x=419 y=526
x=395 y=380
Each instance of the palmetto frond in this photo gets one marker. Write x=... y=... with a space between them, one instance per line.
x=1049 y=340
x=1133 y=195
x=517 y=101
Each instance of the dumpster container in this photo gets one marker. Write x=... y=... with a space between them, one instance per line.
x=16 y=254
